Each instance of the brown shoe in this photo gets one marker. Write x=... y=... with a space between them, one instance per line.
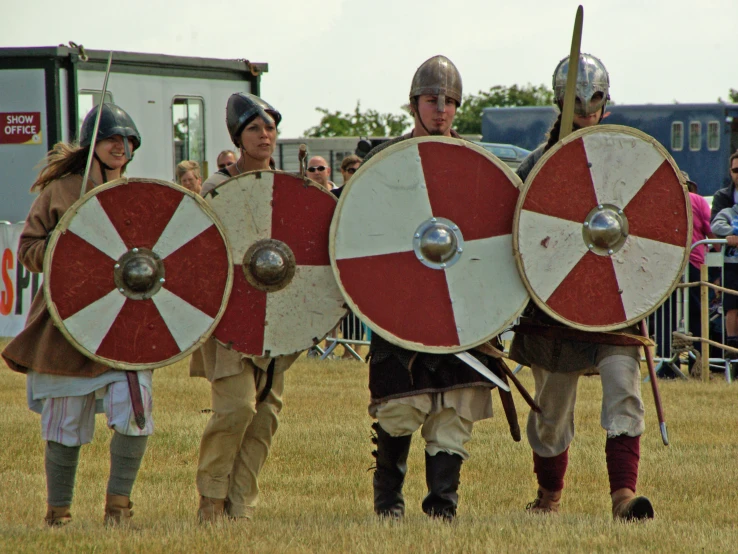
x=118 y=512
x=211 y=509
x=627 y=506
x=57 y=516
x=547 y=502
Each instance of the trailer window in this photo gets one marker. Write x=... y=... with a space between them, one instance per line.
x=677 y=135
x=695 y=135
x=188 y=122
x=713 y=135
x=88 y=99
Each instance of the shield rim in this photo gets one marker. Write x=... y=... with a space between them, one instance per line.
x=410 y=345
x=519 y=208
x=61 y=228
x=307 y=182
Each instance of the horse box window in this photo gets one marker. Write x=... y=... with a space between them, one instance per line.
x=695 y=135
x=188 y=125
x=677 y=136
x=713 y=135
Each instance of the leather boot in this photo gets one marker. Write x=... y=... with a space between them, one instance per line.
x=442 y=477
x=629 y=507
x=391 y=454
x=57 y=516
x=211 y=509
x=547 y=502
x=118 y=510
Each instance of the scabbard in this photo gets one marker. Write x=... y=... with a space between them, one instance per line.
x=509 y=406
x=134 y=388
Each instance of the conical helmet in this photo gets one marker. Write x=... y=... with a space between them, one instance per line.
x=242 y=108
x=437 y=76
x=114 y=120
x=592 y=78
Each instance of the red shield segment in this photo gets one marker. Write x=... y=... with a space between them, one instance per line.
x=459 y=178
x=242 y=324
x=146 y=309
x=621 y=186
x=565 y=188
x=417 y=308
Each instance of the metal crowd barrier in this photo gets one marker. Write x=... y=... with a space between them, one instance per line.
x=671 y=323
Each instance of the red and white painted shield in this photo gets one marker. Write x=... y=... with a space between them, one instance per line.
x=137 y=273
x=603 y=228
x=284 y=298
x=422 y=245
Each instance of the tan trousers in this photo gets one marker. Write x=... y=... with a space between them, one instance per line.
x=443 y=427
x=236 y=440
x=551 y=431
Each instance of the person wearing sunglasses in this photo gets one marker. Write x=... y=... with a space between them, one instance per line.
x=320 y=172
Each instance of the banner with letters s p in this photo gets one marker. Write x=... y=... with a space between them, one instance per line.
x=18 y=286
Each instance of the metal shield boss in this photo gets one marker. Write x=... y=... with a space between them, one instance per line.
x=137 y=273
x=603 y=228
x=421 y=245
x=285 y=298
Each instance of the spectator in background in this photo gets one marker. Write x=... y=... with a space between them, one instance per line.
x=727 y=197
x=188 y=175
x=725 y=225
x=320 y=172
x=351 y=327
x=225 y=158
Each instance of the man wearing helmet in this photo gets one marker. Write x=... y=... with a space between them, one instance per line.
x=411 y=390
x=557 y=363
x=246 y=391
x=62 y=383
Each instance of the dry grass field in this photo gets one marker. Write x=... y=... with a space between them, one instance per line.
x=316 y=490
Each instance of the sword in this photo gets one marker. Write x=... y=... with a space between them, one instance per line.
x=482 y=369
x=567 y=111
x=94 y=131
x=655 y=387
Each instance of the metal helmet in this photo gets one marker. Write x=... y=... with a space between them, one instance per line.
x=437 y=76
x=114 y=120
x=592 y=77
x=242 y=107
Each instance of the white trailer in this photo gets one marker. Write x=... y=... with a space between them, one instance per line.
x=178 y=104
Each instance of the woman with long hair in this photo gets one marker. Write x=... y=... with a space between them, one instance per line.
x=64 y=386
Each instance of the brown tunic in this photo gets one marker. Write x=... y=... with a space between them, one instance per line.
x=41 y=346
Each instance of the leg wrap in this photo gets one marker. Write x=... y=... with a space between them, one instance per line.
x=126 y=453
x=61 y=468
x=623 y=454
x=550 y=472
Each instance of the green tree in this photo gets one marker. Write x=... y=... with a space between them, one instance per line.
x=365 y=124
x=469 y=115
x=732 y=96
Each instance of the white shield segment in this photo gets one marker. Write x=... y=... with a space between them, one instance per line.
x=637 y=266
x=91 y=324
x=314 y=290
x=92 y=224
x=549 y=247
x=185 y=322
x=244 y=206
x=486 y=290
x=621 y=165
x=188 y=221
x=396 y=191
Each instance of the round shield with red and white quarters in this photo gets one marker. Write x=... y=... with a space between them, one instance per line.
x=603 y=228
x=285 y=298
x=137 y=273
x=421 y=245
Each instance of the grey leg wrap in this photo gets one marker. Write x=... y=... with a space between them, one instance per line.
x=126 y=454
x=61 y=468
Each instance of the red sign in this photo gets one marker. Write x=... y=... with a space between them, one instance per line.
x=20 y=128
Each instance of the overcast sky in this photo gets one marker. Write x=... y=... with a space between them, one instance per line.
x=331 y=53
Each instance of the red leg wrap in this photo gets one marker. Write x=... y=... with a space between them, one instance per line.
x=623 y=454
x=550 y=471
